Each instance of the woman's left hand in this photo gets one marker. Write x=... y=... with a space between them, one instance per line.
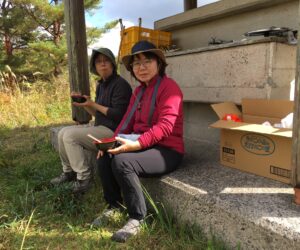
x=126 y=146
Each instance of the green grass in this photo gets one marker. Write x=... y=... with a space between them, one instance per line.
x=35 y=215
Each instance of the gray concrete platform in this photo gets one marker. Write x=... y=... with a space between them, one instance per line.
x=243 y=209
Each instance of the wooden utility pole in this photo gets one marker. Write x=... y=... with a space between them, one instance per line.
x=296 y=122
x=190 y=4
x=77 y=54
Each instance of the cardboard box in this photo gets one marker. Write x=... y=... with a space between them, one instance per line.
x=252 y=147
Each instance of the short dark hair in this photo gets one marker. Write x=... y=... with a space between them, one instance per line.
x=149 y=55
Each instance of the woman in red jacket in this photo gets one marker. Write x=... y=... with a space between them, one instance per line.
x=150 y=137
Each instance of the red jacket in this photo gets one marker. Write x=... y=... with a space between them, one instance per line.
x=167 y=120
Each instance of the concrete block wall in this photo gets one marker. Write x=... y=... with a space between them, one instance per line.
x=201 y=141
x=247 y=69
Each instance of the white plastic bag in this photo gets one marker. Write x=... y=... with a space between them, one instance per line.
x=131 y=137
x=287 y=122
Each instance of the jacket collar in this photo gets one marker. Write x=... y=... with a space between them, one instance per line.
x=109 y=79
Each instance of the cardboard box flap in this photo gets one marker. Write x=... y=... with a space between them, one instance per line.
x=260 y=119
x=224 y=108
x=255 y=128
x=267 y=108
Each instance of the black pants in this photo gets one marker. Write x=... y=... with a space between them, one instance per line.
x=120 y=174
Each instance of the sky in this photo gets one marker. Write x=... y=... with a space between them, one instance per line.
x=130 y=11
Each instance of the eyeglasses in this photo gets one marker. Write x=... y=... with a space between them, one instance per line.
x=102 y=61
x=138 y=64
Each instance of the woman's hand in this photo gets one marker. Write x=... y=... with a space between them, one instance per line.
x=87 y=103
x=126 y=146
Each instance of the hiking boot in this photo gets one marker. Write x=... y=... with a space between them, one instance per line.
x=131 y=228
x=105 y=217
x=81 y=186
x=64 y=177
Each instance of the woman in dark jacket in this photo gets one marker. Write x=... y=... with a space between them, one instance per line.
x=112 y=98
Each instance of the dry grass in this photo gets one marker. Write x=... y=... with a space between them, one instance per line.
x=42 y=104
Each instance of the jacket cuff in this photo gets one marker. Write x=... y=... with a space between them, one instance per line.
x=142 y=142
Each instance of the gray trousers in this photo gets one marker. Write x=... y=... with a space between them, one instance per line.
x=120 y=175
x=72 y=141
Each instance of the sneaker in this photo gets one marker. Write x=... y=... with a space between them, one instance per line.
x=64 y=177
x=81 y=186
x=131 y=228
x=105 y=217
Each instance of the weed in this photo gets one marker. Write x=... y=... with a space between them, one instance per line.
x=26 y=230
x=190 y=235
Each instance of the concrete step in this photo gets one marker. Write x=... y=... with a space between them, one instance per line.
x=244 y=210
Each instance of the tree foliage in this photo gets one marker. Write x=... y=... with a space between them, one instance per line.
x=32 y=35
x=16 y=29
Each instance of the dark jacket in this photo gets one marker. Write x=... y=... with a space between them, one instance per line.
x=115 y=94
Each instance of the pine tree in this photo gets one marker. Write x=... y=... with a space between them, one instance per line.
x=16 y=29
x=32 y=32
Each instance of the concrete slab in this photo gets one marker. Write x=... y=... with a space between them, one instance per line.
x=243 y=209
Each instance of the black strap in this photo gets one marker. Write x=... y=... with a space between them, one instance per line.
x=136 y=103
x=153 y=98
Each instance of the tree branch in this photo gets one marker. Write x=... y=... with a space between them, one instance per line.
x=30 y=13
